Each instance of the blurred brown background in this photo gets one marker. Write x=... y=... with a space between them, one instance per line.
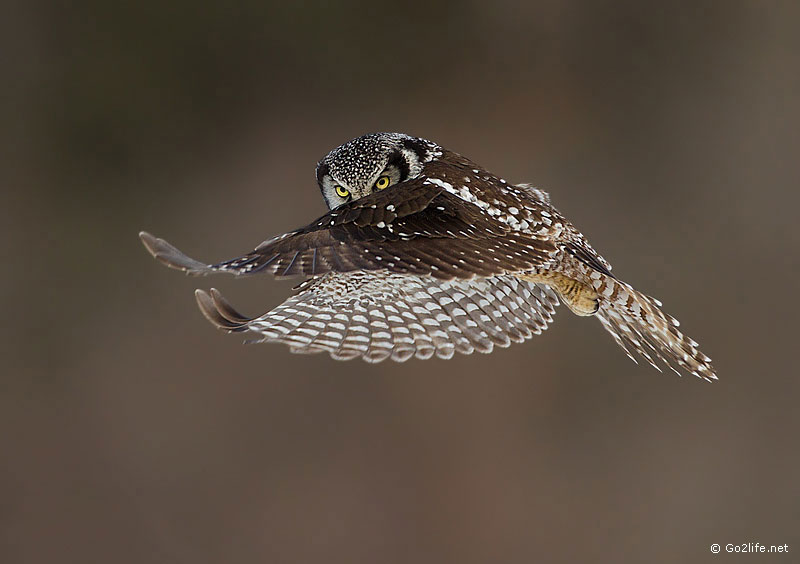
x=132 y=432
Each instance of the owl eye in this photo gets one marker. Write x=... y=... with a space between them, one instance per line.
x=342 y=192
x=383 y=182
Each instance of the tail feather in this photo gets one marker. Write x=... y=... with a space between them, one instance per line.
x=637 y=324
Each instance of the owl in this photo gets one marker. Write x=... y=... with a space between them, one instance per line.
x=424 y=253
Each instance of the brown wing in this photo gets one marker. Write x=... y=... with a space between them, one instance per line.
x=395 y=316
x=413 y=227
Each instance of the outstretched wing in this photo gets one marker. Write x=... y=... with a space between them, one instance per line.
x=414 y=227
x=377 y=315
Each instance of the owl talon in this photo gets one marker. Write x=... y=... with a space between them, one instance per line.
x=580 y=298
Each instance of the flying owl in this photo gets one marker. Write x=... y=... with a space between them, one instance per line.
x=424 y=253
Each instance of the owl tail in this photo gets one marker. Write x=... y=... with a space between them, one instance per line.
x=637 y=323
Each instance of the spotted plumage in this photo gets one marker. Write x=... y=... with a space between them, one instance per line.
x=378 y=315
x=424 y=253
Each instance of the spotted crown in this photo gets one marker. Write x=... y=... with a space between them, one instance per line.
x=356 y=164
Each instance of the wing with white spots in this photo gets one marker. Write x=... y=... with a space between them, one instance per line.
x=414 y=227
x=378 y=315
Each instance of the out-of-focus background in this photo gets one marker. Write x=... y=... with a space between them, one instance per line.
x=133 y=432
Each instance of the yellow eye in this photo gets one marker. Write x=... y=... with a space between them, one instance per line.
x=342 y=192
x=383 y=182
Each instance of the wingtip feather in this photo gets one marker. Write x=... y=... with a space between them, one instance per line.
x=170 y=256
x=219 y=312
x=226 y=310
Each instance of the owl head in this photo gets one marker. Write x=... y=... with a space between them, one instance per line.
x=371 y=163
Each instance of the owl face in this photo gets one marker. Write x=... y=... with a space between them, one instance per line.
x=371 y=163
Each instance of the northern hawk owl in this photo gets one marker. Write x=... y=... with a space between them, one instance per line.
x=424 y=253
